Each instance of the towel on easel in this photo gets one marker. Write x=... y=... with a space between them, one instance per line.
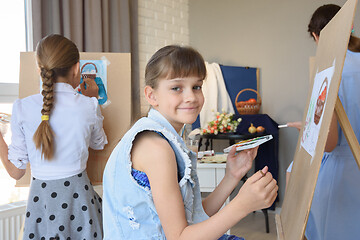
x=215 y=93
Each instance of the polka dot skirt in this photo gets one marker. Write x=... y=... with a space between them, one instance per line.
x=66 y=209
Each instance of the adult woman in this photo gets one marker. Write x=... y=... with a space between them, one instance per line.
x=334 y=212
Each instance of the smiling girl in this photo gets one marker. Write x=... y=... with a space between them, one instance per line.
x=151 y=188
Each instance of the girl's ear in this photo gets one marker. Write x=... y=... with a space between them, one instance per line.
x=73 y=77
x=150 y=96
x=77 y=68
x=316 y=37
x=74 y=70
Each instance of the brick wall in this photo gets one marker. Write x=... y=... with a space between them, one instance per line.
x=161 y=22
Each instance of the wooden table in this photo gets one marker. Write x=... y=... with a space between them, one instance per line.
x=231 y=137
x=210 y=175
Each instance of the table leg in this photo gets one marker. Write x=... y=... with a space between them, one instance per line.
x=265 y=211
x=207 y=144
x=200 y=144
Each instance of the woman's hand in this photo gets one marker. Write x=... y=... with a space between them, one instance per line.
x=237 y=165
x=296 y=125
x=91 y=89
x=259 y=191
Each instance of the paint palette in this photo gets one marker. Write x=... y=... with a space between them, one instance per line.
x=249 y=143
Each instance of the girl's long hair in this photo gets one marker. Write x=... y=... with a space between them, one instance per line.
x=55 y=56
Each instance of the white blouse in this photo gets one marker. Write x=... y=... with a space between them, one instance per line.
x=77 y=124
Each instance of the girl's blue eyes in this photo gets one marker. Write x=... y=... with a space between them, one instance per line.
x=178 y=88
x=175 y=88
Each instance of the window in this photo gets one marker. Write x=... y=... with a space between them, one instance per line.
x=12 y=42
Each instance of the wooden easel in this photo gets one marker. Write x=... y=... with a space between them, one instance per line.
x=331 y=51
x=348 y=131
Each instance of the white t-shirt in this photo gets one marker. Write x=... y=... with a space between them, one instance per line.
x=77 y=124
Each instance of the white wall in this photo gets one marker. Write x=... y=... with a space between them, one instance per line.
x=270 y=35
x=161 y=22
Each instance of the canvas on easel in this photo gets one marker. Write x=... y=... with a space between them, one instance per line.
x=322 y=101
x=116 y=109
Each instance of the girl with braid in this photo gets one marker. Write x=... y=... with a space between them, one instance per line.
x=53 y=131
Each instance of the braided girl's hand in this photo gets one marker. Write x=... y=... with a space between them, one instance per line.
x=89 y=88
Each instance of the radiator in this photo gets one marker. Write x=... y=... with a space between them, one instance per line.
x=12 y=217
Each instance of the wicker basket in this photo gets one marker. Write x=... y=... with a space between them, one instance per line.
x=247 y=107
x=319 y=108
x=88 y=75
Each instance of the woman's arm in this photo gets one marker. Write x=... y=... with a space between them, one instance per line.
x=13 y=171
x=332 y=138
x=296 y=125
x=98 y=137
x=153 y=155
x=237 y=165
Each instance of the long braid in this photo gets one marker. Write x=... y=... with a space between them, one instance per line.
x=55 y=56
x=48 y=90
x=44 y=136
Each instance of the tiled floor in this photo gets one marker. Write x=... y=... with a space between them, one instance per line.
x=252 y=227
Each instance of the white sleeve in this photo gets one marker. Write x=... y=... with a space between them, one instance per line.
x=98 y=137
x=17 y=154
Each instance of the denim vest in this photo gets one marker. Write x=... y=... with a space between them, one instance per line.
x=128 y=208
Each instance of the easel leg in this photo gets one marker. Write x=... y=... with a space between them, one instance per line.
x=348 y=131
